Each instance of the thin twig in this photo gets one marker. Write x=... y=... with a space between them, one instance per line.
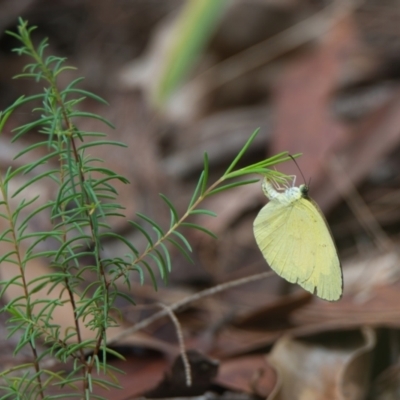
x=182 y=349
x=188 y=300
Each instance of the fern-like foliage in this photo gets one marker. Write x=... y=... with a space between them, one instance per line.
x=78 y=214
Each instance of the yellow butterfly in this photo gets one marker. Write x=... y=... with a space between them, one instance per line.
x=295 y=239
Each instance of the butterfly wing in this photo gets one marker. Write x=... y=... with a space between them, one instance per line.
x=296 y=242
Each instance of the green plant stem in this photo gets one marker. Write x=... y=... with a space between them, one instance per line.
x=170 y=230
x=18 y=253
x=49 y=76
x=77 y=214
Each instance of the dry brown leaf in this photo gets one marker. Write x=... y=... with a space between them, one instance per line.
x=354 y=378
x=387 y=384
x=379 y=308
x=312 y=371
x=250 y=374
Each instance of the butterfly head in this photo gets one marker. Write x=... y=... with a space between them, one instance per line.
x=304 y=190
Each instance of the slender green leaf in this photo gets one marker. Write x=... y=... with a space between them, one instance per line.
x=174 y=213
x=205 y=178
x=143 y=231
x=200 y=228
x=122 y=239
x=74 y=83
x=42 y=160
x=151 y=222
x=163 y=261
x=242 y=151
x=201 y=211
x=196 y=191
x=31 y=181
x=160 y=264
x=231 y=185
x=167 y=256
x=193 y=29
x=181 y=249
x=28 y=127
x=32 y=147
x=22 y=100
x=86 y=93
x=101 y=143
x=151 y=273
x=278 y=158
x=76 y=114
x=3 y=118
x=184 y=240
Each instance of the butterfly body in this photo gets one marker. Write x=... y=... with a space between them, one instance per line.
x=295 y=240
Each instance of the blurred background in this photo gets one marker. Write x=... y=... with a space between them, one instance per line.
x=319 y=77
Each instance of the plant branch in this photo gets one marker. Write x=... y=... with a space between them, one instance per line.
x=174 y=307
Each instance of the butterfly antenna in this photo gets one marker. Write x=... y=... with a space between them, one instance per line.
x=297 y=165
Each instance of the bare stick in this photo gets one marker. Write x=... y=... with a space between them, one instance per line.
x=186 y=301
x=182 y=349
